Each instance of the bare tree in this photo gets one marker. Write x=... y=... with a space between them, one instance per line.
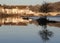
x=45 y=8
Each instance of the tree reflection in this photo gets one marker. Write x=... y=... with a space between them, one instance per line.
x=45 y=34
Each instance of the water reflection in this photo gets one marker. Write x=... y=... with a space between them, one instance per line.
x=17 y=20
x=14 y=21
x=43 y=21
x=45 y=35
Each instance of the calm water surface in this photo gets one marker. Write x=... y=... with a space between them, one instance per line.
x=27 y=34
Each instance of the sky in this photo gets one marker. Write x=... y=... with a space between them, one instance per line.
x=25 y=2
